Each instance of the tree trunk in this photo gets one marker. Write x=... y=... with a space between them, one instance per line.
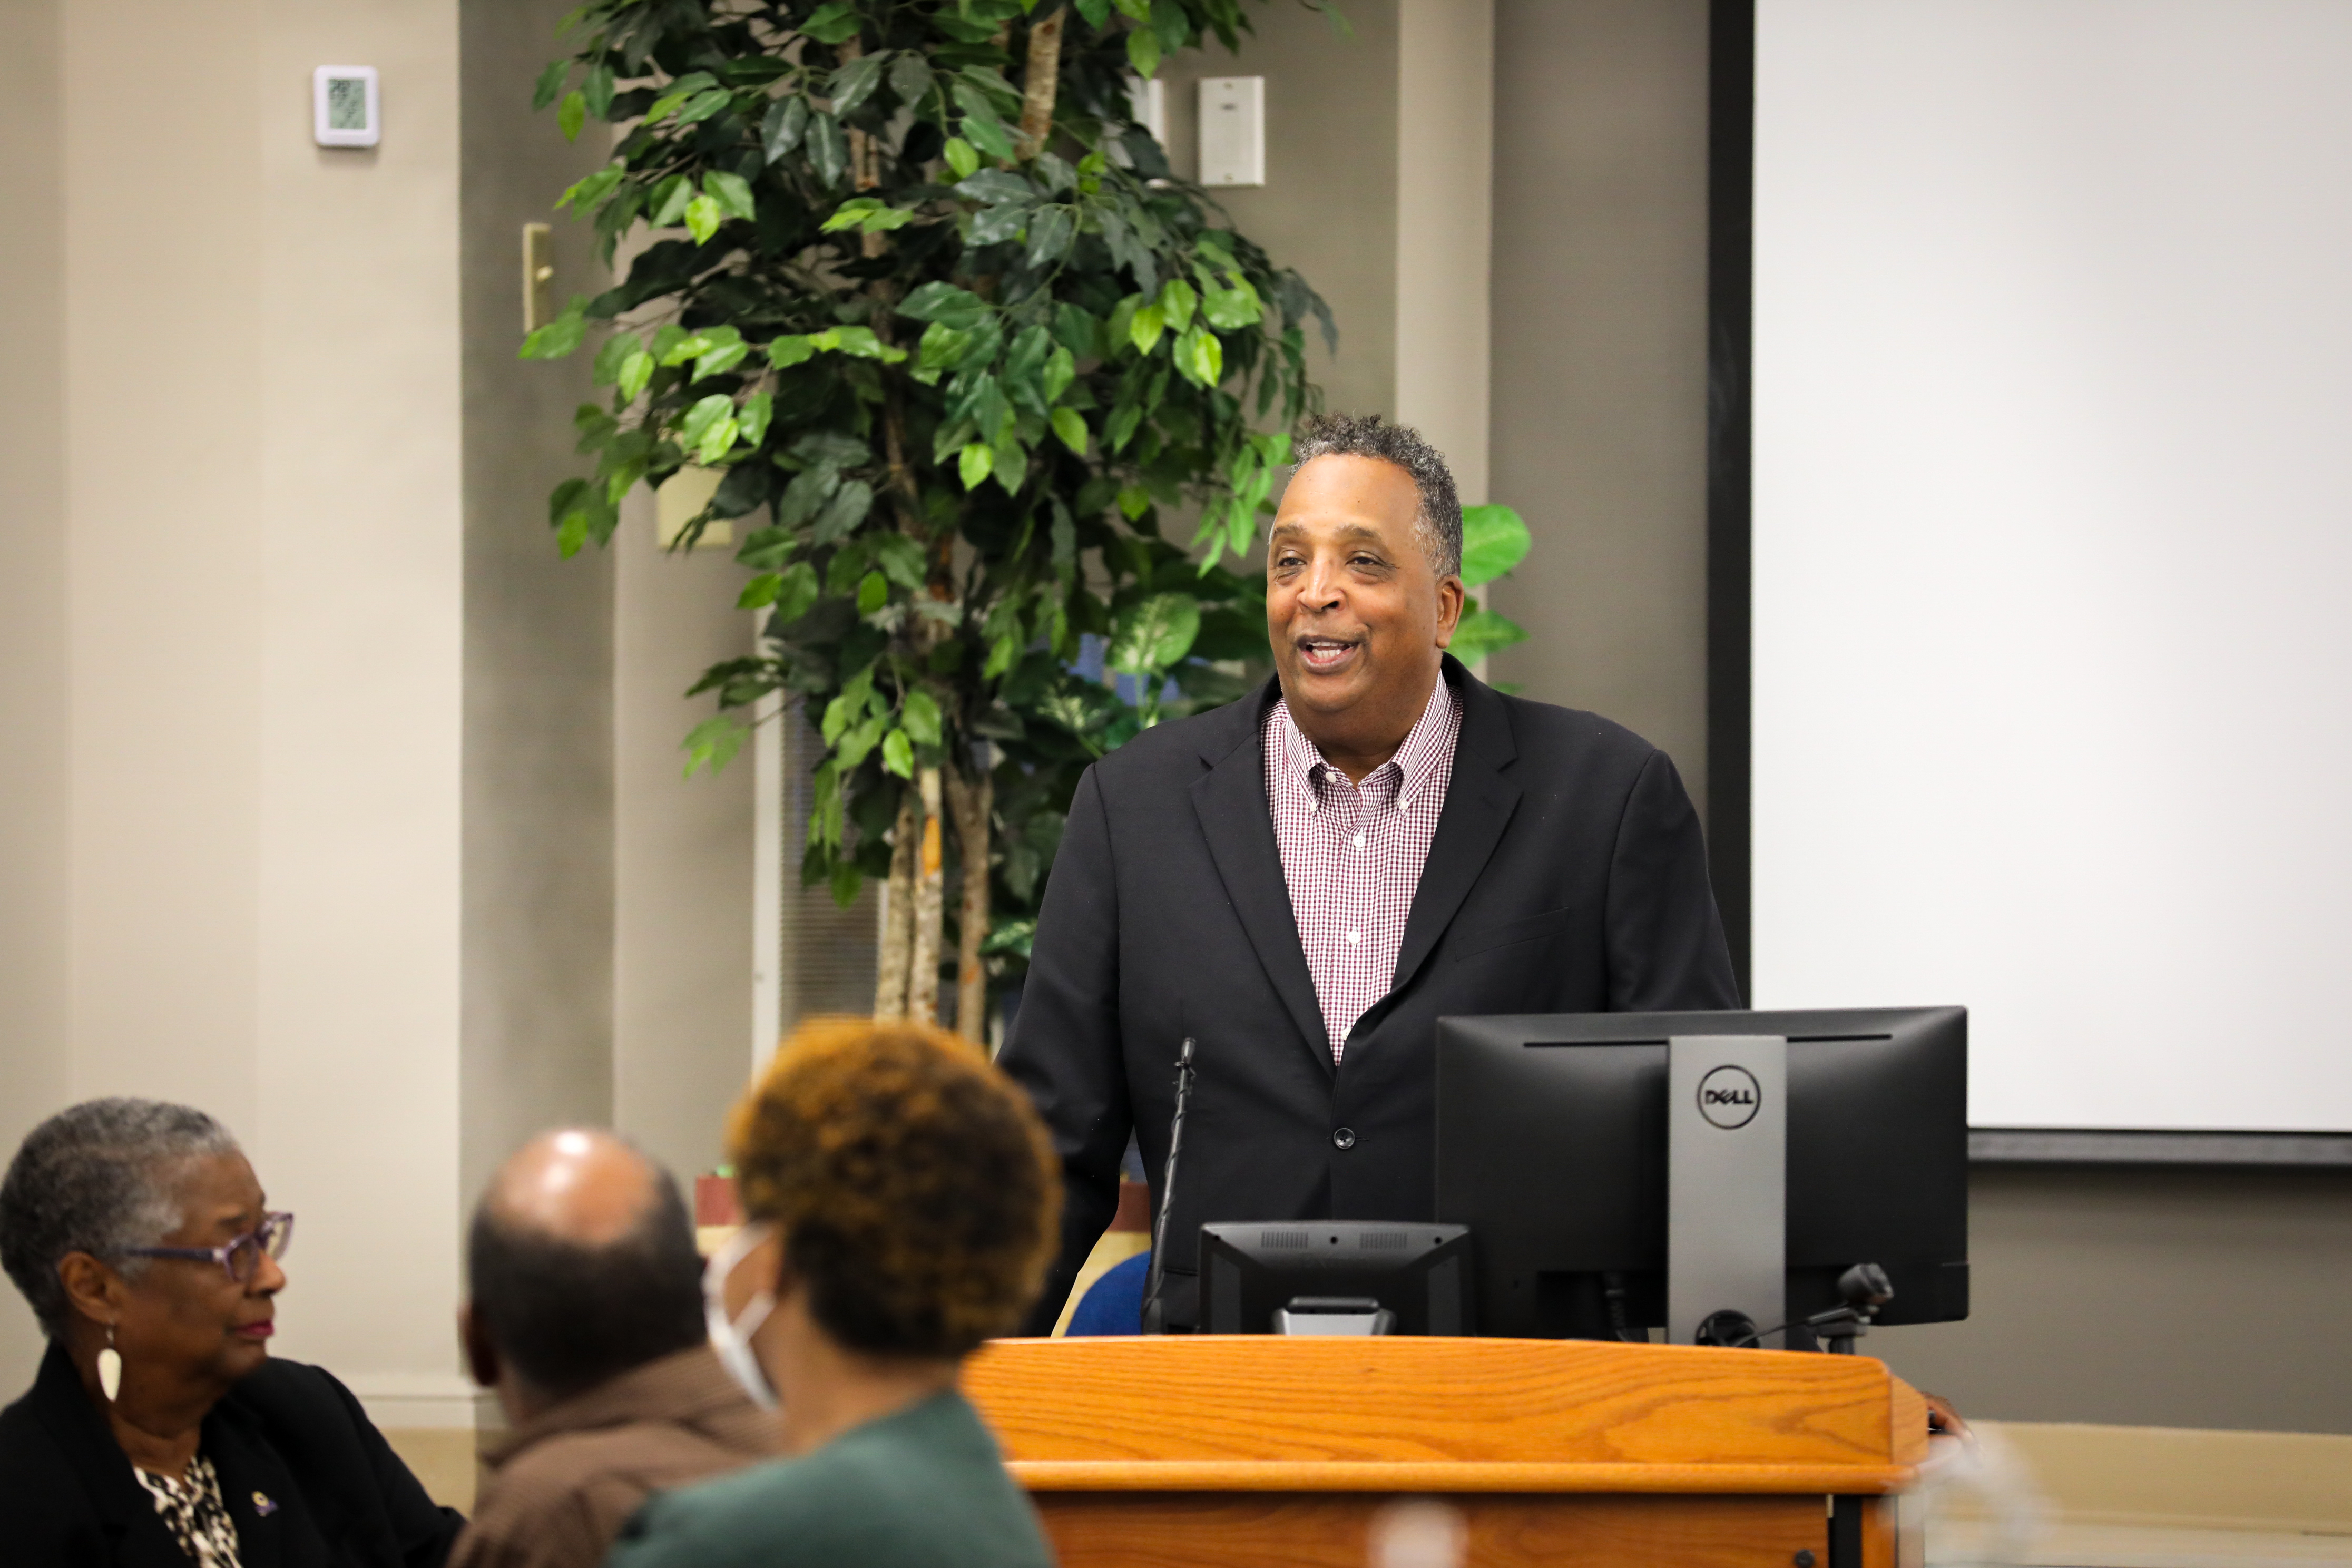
x=1040 y=84
x=890 y=959
x=972 y=801
x=930 y=887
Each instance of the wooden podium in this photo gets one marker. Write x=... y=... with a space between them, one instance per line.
x=1249 y=1450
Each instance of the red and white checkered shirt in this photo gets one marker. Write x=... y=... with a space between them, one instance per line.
x=1352 y=853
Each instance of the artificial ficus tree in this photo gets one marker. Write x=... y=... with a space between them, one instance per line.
x=914 y=282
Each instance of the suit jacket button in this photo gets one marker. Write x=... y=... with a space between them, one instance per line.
x=1345 y=1138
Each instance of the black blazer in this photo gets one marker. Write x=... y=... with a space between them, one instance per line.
x=1567 y=876
x=288 y=1433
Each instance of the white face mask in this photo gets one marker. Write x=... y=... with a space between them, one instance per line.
x=731 y=1338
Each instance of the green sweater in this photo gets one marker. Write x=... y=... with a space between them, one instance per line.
x=921 y=1488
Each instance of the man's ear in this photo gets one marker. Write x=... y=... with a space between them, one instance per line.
x=1450 y=594
x=481 y=1353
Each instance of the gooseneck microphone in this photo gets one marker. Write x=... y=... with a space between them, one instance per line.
x=1154 y=1313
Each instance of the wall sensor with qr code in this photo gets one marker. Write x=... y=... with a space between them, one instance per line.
x=345 y=110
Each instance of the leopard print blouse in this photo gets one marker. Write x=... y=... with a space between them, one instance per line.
x=192 y=1512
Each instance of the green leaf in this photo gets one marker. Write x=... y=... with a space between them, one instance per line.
x=1133 y=501
x=832 y=23
x=857 y=742
x=669 y=201
x=922 y=718
x=962 y=156
x=702 y=218
x=560 y=336
x=973 y=464
x=788 y=352
x=760 y=592
x=754 y=415
x=714 y=742
x=796 y=592
x=873 y=592
x=853 y=83
x=1200 y=357
x=1009 y=465
x=592 y=191
x=847 y=882
x=636 y=372
x=1061 y=369
x=849 y=215
x=1176 y=302
x=704 y=105
x=1482 y=631
x=1071 y=427
x=572 y=114
x=731 y=192
x=844 y=511
x=910 y=76
x=1494 y=539
x=899 y=754
x=1143 y=331
x=613 y=353
x=1232 y=309
x=704 y=414
x=1143 y=51
x=597 y=89
x=786 y=122
x=1154 y=634
x=988 y=133
x=901 y=560
x=944 y=303
x=828 y=148
x=550 y=82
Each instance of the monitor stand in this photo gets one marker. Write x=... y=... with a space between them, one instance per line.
x=1727 y=1184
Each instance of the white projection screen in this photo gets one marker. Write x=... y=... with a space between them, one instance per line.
x=2052 y=523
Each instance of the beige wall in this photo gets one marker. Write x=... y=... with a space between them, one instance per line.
x=35 y=868
x=233 y=720
x=1328 y=207
x=538 y=702
x=683 y=854
x=1444 y=229
x=1600 y=358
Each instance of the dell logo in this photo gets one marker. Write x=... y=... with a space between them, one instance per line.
x=1729 y=1097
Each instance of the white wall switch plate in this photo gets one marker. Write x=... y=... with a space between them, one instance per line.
x=1232 y=131
x=346 y=110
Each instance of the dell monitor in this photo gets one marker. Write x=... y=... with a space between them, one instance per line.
x=1553 y=1136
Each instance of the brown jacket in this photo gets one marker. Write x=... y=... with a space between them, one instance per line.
x=561 y=1485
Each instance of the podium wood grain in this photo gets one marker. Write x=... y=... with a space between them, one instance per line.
x=1204 y=1449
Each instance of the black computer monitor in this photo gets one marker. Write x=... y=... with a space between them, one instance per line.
x=1418 y=1273
x=1551 y=1147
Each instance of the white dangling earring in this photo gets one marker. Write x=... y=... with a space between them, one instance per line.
x=109 y=1368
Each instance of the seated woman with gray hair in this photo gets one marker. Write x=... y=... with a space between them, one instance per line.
x=159 y=1430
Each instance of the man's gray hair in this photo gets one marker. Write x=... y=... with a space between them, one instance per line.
x=1438 y=523
x=98 y=1177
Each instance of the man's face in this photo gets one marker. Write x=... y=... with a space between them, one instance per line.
x=1357 y=616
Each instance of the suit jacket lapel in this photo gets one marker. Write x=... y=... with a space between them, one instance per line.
x=124 y=1509
x=1230 y=800
x=1479 y=801
x=251 y=1480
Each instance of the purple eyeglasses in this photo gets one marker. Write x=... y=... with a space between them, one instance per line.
x=237 y=1258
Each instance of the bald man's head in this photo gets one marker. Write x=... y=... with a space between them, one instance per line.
x=582 y=1262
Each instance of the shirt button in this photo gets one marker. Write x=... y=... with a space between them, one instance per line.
x=1354 y=937
x=1360 y=841
x=1344 y=1138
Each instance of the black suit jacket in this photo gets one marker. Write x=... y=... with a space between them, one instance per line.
x=1567 y=876
x=288 y=1433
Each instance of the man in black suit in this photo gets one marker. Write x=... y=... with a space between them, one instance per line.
x=1304 y=881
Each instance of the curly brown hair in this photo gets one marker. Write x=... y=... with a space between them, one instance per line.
x=912 y=1185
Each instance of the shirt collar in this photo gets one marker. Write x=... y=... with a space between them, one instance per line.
x=1428 y=743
